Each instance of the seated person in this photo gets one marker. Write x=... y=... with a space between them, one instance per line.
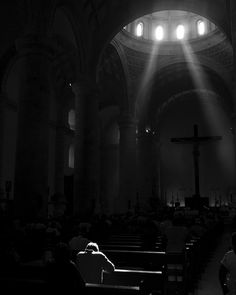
x=92 y=263
x=176 y=236
x=227 y=270
x=197 y=229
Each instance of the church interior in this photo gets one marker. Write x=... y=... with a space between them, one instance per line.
x=120 y=115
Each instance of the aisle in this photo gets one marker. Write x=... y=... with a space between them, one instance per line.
x=209 y=283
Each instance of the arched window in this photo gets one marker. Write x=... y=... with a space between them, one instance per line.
x=71 y=119
x=201 y=27
x=139 y=29
x=180 y=31
x=71 y=161
x=159 y=33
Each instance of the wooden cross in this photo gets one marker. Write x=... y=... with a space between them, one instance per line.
x=196 y=140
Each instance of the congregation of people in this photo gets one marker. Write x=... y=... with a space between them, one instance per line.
x=68 y=247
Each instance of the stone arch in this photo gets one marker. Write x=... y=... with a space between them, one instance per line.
x=205 y=95
x=182 y=81
x=177 y=119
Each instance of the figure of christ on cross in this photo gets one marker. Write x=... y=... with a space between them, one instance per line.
x=196 y=140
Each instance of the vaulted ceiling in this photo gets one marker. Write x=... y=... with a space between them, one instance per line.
x=88 y=27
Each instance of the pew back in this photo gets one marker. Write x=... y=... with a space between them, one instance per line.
x=152 y=280
x=103 y=289
x=148 y=260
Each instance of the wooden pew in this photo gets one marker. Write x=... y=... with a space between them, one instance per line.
x=29 y=286
x=147 y=260
x=122 y=242
x=127 y=235
x=103 y=289
x=179 y=271
x=152 y=281
x=128 y=247
x=175 y=266
x=176 y=272
x=134 y=240
x=114 y=246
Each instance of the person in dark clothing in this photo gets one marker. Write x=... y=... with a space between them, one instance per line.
x=62 y=274
x=227 y=270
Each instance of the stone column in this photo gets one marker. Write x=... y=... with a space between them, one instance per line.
x=157 y=168
x=60 y=144
x=31 y=171
x=92 y=148
x=109 y=172
x=149 y=170
x=79 y=167
x=145 y=169
x=86 y=173
x=2 y=101
x=2 y=131
x=127 y=186
x=232 y=13
x=233 y=130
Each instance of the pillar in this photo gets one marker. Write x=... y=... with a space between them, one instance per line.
x=149 y=170
x=109 y=176
x=156 y=152
x=62 y=117
x=2 y=128
x=232 y=13
x=2 y=101
x=127 y=169
x=86 y=171
x=233 y=130
x=31 y=171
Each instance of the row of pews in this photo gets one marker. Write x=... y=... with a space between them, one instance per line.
x=137 y=263
x=141 y=268
x=159 y=272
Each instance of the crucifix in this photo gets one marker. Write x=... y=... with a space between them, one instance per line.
x=196 y=140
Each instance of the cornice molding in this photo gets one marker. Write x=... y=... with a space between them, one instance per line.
x=146 y=46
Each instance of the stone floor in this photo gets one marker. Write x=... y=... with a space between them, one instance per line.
x=209 y=283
